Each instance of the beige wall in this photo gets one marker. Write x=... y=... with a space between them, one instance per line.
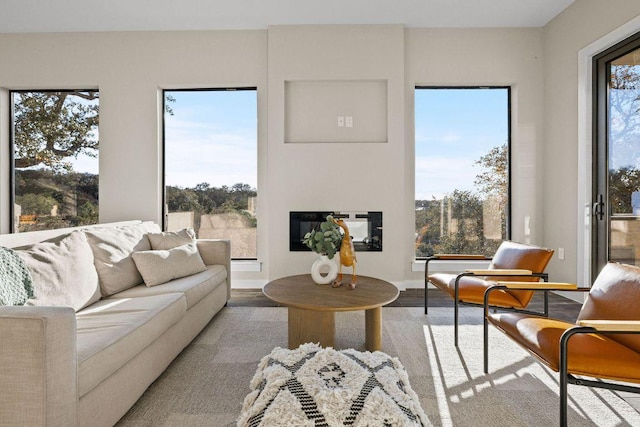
x=582 y=24
x=486 y=57
x=130 y=69
x=354 y=176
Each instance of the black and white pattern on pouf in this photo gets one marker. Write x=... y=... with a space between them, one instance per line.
x=315 y=386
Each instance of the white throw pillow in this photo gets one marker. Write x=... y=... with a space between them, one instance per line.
x=63 y=272
x=157 y=267
x=112 y=248
x=171 y=239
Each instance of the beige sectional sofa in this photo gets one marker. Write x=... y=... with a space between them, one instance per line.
x=94 y=336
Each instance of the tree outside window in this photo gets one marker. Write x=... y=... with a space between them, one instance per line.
x=624 y=133
x=462 y=170
x=55 y=159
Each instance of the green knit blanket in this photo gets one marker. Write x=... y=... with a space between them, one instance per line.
x=16 y=284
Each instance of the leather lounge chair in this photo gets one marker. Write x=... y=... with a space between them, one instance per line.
x=604 y=342
x=511 y=262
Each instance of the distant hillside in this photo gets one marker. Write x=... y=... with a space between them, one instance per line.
x=53 y=200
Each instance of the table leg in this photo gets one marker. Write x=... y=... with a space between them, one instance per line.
x=373 y=325
x=311 y=326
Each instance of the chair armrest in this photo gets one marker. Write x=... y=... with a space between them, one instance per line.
x=38 y=373
x=530 y=286
x=544 y=286
x=538 y=285
x=217 y=252
x=612 y=325
x=500 y=272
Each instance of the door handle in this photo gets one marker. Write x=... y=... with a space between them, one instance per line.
x=598 y=207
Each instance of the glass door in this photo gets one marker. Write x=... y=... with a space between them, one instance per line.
x=616 y=199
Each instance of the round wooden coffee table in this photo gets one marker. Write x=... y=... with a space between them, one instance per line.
x=312 y=307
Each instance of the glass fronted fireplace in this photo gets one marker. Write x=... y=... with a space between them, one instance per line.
x=365 y=228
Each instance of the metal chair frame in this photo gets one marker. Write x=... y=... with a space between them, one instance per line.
x=566 y=378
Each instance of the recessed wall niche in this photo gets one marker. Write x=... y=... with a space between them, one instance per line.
x=335 y=111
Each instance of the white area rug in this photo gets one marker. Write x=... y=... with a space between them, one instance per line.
x=312 y=386
x=207 y=384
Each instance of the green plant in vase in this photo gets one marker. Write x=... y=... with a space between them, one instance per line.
x=326 y=240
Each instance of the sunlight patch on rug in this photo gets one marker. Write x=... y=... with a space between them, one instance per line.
x=523 y=391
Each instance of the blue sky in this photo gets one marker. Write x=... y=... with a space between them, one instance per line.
x=454 y=128
x=212 y=137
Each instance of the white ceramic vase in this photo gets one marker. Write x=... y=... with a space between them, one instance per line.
x=320 y=264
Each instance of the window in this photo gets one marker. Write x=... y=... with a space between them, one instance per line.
x=55 y=159
x=462 y=170
x=210 y=165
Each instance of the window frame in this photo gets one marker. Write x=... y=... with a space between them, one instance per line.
x=508 y=220
x=12 y=169
x=165 y=212
x=600 y=78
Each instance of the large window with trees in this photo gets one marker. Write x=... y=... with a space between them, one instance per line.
x=55 y=159
x=616 y=165
x=210 y=165
x=462 y=169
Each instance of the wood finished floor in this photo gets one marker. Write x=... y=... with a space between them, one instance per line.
x=559 y=306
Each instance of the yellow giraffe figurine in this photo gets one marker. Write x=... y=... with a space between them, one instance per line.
x=347 y=256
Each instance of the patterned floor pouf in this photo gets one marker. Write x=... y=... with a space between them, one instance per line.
x=315 y=386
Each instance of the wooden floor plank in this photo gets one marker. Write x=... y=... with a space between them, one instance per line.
x=559 y=306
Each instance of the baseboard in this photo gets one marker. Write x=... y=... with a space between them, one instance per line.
x=248 y=284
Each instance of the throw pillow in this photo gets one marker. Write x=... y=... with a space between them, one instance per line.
x=112 y=248
x=171 y=239
x=157 y=267
x=63 y=272
x=16 y=283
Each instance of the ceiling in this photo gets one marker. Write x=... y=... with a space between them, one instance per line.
x=18 y=16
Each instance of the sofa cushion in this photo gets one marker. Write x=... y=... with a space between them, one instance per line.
x=63 y=272
x=194 y=287
x=113 y=331
x=112 y=248
x=171 y=239
x=157 y=267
